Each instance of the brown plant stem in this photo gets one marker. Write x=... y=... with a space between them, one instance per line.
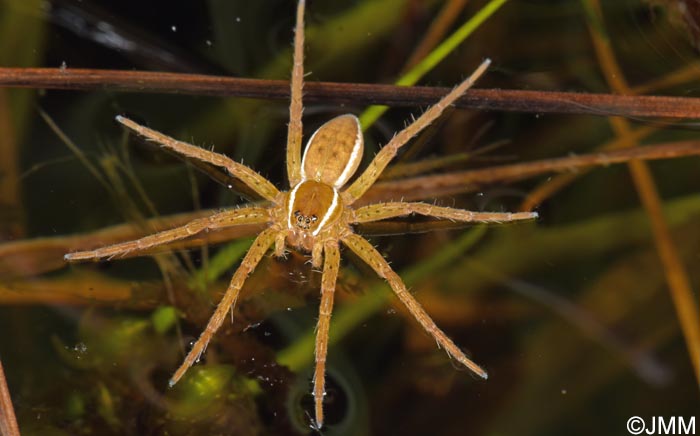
x=676 y=276
x=350 y=93
x=555 y=184
x=464 y=181
x=8 y=421
x=11 y=207
x=83 y=288
x=683 y=75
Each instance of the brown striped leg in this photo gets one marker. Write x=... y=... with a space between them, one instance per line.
x=253 y=180
x=387 y=153
x=294 y=129
x=363 y=249
x=256 y=252
x=381 y=211
x=228 y=218
x=330 y=275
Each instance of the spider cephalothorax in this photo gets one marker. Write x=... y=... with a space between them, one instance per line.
x=316 y=214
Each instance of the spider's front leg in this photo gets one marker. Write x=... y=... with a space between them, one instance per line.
x=294 y=129
x=388 y=152
x=263 y=187
x=280 y=245
x=228 y=218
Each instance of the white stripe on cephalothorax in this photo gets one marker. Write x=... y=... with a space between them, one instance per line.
x=356 y=149
x=290 y=204
x=329 y=213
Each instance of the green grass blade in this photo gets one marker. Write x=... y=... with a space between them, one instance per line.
x=371 y=114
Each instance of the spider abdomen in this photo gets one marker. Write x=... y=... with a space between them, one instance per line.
x=334 y=151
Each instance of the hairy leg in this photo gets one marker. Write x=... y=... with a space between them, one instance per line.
x=253 y=180
x=280 y=243
x=381 y=211
x=387 y=153
x=294 y=129
x=330 y=275
x=260 y=246
x=228 y=218
x=363 y=249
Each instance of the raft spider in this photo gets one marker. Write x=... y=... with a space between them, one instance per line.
x=315 y=216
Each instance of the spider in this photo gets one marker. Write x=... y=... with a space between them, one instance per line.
x=315 y=216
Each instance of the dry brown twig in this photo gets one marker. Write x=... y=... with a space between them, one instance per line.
x=350 y=93
x=8 y=421
x=677 y=278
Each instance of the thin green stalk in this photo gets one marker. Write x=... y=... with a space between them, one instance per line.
x=371 y=114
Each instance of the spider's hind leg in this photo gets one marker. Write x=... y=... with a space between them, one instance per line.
x=365 y=251
x=328 y=282
x=256 y=252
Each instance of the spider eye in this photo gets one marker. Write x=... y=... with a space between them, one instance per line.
x=314 y=218
x=308 y=221
x=297 y=213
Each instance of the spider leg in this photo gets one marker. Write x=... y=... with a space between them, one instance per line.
x=228 y=218
x=253 y=180
x=330 y=275
x=294 y=129
x=279 y=244
x=363 y=249
x=260 y=246
x=380 y=211
x=387 y=153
